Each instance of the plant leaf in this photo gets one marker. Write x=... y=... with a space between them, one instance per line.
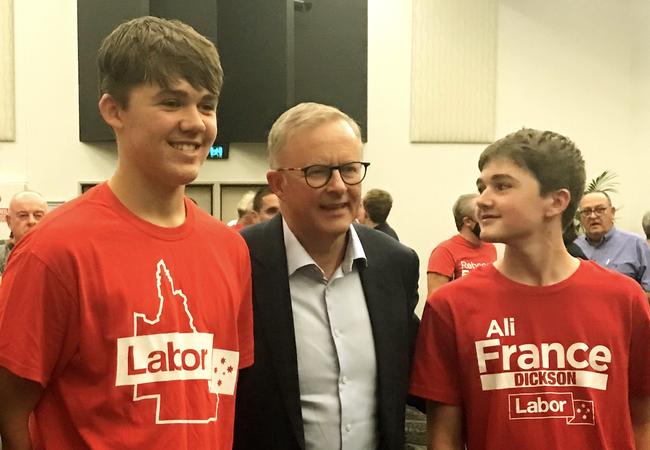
x=605 y=182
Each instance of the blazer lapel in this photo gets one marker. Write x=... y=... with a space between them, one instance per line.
x=388 y=320
x=273 y=304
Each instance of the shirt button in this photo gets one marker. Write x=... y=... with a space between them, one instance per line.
x=344 y=380
x=348 y=427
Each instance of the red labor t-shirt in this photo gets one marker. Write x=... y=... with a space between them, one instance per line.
x=136 y=332
x=457 y=257
x=537 y=367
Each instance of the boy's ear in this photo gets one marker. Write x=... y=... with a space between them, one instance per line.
x=110 y=111
x=558 y=202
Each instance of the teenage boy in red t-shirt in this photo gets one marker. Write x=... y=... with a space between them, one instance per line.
x=555 y=354
x=125 y=315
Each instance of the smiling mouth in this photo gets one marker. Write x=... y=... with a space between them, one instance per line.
x=185 y=147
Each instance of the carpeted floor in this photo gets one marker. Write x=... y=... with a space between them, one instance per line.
x=416 y=430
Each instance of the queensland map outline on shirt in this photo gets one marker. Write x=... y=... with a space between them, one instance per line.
x=174 y=356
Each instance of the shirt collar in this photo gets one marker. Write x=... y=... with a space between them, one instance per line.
x=607 y=236
x=298 y=257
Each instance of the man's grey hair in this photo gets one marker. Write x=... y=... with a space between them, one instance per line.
x=464 y=207
x=303 y=115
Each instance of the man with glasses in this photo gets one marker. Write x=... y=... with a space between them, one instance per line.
x=610 y=247
x=333 y=301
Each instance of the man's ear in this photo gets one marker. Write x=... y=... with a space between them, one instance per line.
x=110 y=111
x=613 y=211
x=558 y=202
x=276 y=183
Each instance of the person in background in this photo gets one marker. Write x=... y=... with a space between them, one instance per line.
x=245 y=214
x=333 y=301
x=610 y=247
x=126 y=313
x=568 y=237
x=464 y=252
x=645 y=223
x=539 y=350
x=376 y=206
x=265 y=204
x=26 y=209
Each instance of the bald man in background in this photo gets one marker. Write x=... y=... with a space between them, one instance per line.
x=26 y=209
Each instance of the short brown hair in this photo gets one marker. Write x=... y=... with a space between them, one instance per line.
x=304 y=115
x=259 y=197
x=154 y=50
x=551 y=158
x=377 y=204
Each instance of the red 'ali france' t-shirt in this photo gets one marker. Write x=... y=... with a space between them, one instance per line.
x=456 y=257
x=136 y=332
x=537 y=367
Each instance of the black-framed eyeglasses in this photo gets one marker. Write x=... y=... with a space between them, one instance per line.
x=317 y=176
x=599 y=211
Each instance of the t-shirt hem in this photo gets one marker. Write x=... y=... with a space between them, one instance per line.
x=439 y=272
x=433 y=395
x=246 y=362
x=22 y=371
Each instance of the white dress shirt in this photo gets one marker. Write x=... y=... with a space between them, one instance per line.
x=337 y=367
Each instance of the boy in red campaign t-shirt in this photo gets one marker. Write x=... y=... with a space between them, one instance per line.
x=539 y=350
x=126 y=315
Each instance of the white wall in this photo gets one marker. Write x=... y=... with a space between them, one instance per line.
x=579 y=67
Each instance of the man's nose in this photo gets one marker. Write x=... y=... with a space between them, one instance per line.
x=336 y=180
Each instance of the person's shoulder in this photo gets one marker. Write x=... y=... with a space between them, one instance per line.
x=373 y=239
x=445 y=247
x=61 y=233
x=265 y=237
x=73 y=219
x=631 y=237
x=581 y=240
x=450 y=242
x=479 y=279
x=604 y=280
x=219 y=233
x=209 y=222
